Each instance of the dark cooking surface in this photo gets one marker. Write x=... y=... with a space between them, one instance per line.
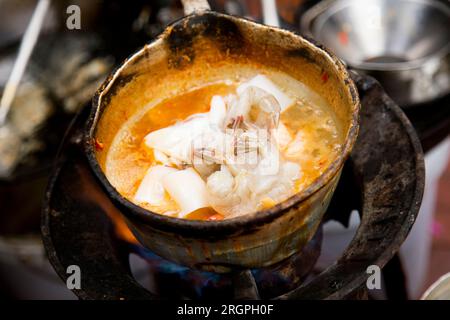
x=385 y=174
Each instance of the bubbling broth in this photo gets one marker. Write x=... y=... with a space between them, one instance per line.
x=226 y=148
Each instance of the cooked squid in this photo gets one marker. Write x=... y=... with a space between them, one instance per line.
x=187 y=189
x=175 y=141
x=151 y=190
x=228 y=158
x=248 y=150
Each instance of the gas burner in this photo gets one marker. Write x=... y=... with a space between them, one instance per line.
x=383 y=180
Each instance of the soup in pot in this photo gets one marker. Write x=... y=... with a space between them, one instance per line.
x=226 y=148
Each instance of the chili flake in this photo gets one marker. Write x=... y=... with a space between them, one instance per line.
x=98 y=145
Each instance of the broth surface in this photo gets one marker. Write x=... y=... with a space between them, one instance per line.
x=309 y=120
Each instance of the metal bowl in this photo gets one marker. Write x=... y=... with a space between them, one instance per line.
x=405 y=44
x=202 y=48
x=440 y=290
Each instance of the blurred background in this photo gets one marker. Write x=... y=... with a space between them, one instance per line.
x=404 y=44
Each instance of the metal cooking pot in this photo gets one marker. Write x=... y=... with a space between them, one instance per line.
x=202 y=47
x=404 y=44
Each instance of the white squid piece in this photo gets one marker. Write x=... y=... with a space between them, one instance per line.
x=241 y=166
x=151 y=190
x=188 y=190
x=229 y=195
x=282 y=136
x=175 y=141
x=217 y=111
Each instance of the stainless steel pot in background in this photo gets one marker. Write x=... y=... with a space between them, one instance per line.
x=404 y=44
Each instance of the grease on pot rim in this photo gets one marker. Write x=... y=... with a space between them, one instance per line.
x=226 y=148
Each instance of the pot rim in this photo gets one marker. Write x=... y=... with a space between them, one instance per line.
x=236 y=224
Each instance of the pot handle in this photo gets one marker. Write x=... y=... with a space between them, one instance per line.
x=192 y=6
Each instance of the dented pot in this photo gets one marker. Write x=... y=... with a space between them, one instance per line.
x=200 y=48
